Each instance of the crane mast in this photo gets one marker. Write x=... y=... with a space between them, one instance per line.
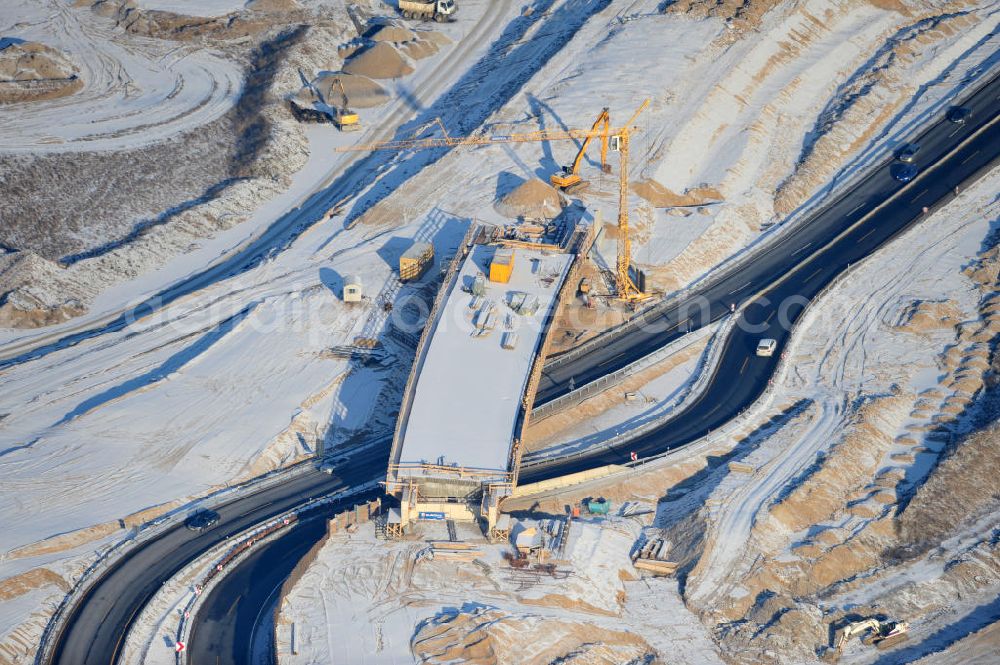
x=625 y=286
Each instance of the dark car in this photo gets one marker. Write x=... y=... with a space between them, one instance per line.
x=908 y=152
x=958 y=114
x=201 y=520
x=903 y=172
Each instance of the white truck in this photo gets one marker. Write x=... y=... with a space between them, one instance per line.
x=438 y=10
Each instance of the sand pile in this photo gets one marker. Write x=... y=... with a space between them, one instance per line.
x=661 y=197
x=487 y=635
x=380 y=61
x=419 y=49
x=362 y=92
x=272 y=6
x=434 y=37
x=851 y=465
x=392 y=33
x=532 y=199
x=928 y=315
x=31 y=71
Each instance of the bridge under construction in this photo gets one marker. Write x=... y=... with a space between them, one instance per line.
x=455 y=452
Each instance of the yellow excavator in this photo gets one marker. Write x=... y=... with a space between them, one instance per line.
x=343 y=117
x=627 y=288
x=568 y=179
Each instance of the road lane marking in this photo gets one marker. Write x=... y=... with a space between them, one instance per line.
x=738 y=288
x=610 y=360
x=856 y=208
x=970 y=157
x=745 y=361
x=803 y=247
x=865 y=236
x=770 y=316
x=955 y=132
x=818 y=271
x=914 y=199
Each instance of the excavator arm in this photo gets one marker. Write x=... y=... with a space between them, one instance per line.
x=570 y=176
x=343 y=116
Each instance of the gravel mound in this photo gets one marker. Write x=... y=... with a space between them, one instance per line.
x=380 y=61
x=532 y=199
x=32 y=71
x=393 y=33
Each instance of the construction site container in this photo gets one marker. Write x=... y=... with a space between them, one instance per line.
x=509 y=340
x=415 y=261
x=598 y=506
x=353 y=289
x=502 y=265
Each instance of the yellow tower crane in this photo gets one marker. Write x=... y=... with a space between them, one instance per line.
x=624 y=284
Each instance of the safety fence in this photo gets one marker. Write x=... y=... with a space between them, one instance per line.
x=607 y=381
x=841 y=188
x=448 y=283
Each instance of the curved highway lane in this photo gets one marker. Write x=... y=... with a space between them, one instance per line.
x=711 y=303
x=226 y=624
x=94 y=632
x=740 y=376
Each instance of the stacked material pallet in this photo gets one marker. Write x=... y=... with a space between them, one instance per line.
x=454 y=551
x=652 y=558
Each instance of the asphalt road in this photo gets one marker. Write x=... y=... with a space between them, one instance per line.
x=801 y=269
x=709 y=304
x=741 y=376
x=94 y=633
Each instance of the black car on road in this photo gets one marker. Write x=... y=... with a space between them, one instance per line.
x=201 y=520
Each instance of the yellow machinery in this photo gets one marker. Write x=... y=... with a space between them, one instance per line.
x=625 y=286
x=344 y=118
x=569 y=179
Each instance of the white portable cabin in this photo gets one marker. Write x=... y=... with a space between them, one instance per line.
x=353 y=289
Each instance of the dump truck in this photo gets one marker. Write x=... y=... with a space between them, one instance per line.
x=437 y=10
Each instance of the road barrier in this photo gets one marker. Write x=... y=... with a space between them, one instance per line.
x=448 y=283
x=607 y=381
x=254 y=536
x=769 y=239
x=705 y=372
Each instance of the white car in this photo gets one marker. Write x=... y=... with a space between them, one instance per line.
x=766 y=347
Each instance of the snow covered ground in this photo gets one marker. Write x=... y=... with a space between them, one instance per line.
x=235 y=375
x=400 y=604
x=136 y=91
x=194 y=7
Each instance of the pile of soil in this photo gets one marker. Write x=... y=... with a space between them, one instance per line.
x=532 y=199
x=362 y=92
x=30 y=71
x=661 y=197
x=380 y=61
x=434 y=37
x=393 y=33
x=272 y=6
x=419 y=49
